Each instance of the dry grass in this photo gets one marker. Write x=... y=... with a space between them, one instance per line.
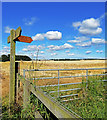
x=5 y=69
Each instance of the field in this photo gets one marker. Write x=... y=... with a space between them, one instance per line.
x=5 y=68
x=4 y=76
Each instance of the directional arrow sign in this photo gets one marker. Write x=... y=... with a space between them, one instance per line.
x=24 y=39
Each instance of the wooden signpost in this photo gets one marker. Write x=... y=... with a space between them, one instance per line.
x=15 y=35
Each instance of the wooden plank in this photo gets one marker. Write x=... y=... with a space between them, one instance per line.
x=18 y=32
x=8 y=39
x=55 y=108
x=58 y=110
x=12 y=68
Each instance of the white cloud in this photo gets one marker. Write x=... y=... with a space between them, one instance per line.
x=7 y=29
x=73 y=41
x=98 y=40
x=61 y=47
x=99 y=51
x=42 y=52
x=5 y=50
x=89 y=26
x=87 y=31
x=53 y=35
x=67 y=51
x=35 y=55
x=6 y=47
x=30 y=21
x=33 y=48
x=82 y=38
x=78 y=39
x=50 y=35
x=38 y=37
x=50 y=46
x=67 y=46
x=25 y=49
x=53 y=54
x=88 y=52
x=91 y=23
x=76 y=24
x=102 y=16
x=85 y=44
x=71 y=54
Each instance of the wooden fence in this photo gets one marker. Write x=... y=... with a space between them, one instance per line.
x=58 y=110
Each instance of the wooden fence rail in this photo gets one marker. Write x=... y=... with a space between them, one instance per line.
x=58 y=110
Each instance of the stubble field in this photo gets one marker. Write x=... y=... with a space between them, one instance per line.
x=5 y=69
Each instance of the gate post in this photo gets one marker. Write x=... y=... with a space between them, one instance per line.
x=26 y=90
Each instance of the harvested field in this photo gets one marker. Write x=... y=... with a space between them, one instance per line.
x=5 y=69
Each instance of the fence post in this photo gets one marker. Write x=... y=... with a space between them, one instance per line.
x=58 y=83
x=26 y=90
x=86 y=78
x=12 y=68
x=17 y=72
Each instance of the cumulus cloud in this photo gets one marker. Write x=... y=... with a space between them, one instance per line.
x=30 y=21
x=5 y=50
x=88 y=52
x=38 y=37
x=50 y=35
x=61 y=47
x=53 y=35
x=98 y=40
x=73 y=41
x=53 y=54
x=99 y=51
x=25 y=49
x=89 y=26
x=35 y=55
x=42 y=52
x=6 y=47
x=82 y=38
x=67 y=46
x=71 y=54
x=84 y=44
x=78 y=39
x=67 y=51
x=7 y=29
x=33 y=48
x=76 y=24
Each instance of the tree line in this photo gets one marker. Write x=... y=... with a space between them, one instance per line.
x=5 y=58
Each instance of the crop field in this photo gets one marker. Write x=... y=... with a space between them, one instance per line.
x=5 y=69
x=91 y=103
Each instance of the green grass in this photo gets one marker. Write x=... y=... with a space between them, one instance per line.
x=91 y=104
x=92 y=100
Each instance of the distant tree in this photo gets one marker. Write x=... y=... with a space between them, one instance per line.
x=4 y=58
x=21 y=57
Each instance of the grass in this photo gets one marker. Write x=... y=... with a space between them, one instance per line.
x=74 y=105
x=92 y=100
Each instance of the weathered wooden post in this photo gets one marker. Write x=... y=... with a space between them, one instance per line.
x=12 y=67
x=15 y=35
x=17 y=73
x=26 y=97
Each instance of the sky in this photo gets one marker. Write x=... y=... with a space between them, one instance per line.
x=66 y=30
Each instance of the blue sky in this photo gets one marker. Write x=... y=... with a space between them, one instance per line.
x=58 y=30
